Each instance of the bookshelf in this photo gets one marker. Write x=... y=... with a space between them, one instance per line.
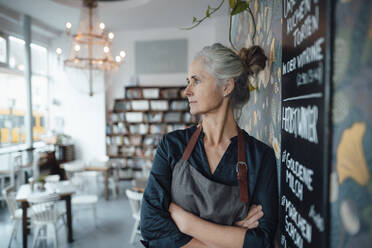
x=138 y=122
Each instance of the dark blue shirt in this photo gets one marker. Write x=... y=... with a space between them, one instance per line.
x=157 y=226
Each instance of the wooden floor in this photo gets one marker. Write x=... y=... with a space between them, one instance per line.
x=114 y=226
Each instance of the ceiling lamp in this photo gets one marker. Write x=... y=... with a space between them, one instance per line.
x=90 y=51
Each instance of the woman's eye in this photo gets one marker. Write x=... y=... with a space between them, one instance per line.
x=197 y=81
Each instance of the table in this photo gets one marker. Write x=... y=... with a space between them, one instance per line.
x=24 y=192
x=105 y=169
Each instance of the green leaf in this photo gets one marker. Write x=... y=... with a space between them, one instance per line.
x=232 y=3
x=240 y=7
x=193 y=19
x=251 y=87
x=207 y=14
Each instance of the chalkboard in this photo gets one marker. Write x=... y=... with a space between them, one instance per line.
x=305 y=123
x=161 y=56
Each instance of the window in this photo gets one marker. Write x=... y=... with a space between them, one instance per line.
x=39 y=56
x=3 y=51
x=39 y=105
x=12 y=109
x=13 y=92
x=16 y=53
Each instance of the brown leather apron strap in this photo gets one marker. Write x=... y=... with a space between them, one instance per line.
x=191 y=144
x=241 y=167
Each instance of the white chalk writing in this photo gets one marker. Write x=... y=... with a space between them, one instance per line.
x=311 y=53
x=297 y=227
x=310 y=25
x=301 y=121
x=310 y=76
x=317 y=218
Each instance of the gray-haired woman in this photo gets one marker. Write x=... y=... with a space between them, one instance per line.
x=211 y=184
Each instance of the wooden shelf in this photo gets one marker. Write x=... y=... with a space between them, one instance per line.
x=169 y=95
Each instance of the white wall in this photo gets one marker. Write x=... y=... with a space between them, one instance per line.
x=84 y=116
x=214 y=30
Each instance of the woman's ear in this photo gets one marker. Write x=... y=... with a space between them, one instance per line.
x=228 y=87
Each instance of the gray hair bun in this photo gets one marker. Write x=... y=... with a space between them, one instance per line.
x=253 y=59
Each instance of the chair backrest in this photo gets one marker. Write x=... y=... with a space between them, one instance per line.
x=10 y=199
x=43 y=206
x=15 y=170
x=72 y=168
x=135 y=199
x=52 y=178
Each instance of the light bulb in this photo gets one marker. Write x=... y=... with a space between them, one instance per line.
x=106 y=49
x=122 y=54
x=118 y=59
x=59 y=51
x=111 y=35
x=102 y=26
x=77 y=47
x=68 y=25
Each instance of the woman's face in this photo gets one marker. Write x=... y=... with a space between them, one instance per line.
x=202 y=91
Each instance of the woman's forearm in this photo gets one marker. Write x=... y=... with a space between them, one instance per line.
x=213 y=235
x=194 y=243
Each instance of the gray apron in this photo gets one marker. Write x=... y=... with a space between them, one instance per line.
x=212 y=201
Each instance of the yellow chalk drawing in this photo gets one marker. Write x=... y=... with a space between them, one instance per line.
x=255 y=7
x=351 y=161
x=276 y=147
x=255 y=118
x=272 y=52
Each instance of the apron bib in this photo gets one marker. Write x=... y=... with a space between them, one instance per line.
x=212 y=201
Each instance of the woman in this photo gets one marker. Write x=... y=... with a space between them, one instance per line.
x=205 y=178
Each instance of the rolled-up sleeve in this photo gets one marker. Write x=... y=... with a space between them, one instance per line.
x=265 y=194
x=157 y=226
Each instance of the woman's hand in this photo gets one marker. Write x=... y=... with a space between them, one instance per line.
x=179 y=216
x=251 y=221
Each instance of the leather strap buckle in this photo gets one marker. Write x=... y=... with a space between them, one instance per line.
x=240 y=163
x=242 y=171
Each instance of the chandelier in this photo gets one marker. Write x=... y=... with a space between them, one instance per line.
x=91 y=45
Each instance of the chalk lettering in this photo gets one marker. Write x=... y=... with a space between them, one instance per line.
x=304 y=174
x=295 y=185
x=298 y=15
x=300 y=222
x=311 y=54
x=310 y=25
x=301 y=121
x=317 y=218
x=310 y=76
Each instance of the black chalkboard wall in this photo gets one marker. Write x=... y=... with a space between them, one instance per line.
x=305 y=123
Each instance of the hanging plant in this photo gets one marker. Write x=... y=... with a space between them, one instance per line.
x=236 y=7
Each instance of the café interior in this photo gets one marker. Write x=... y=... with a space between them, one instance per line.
x=89 y=87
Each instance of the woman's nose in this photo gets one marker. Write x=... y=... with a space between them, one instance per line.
x=188 y=90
